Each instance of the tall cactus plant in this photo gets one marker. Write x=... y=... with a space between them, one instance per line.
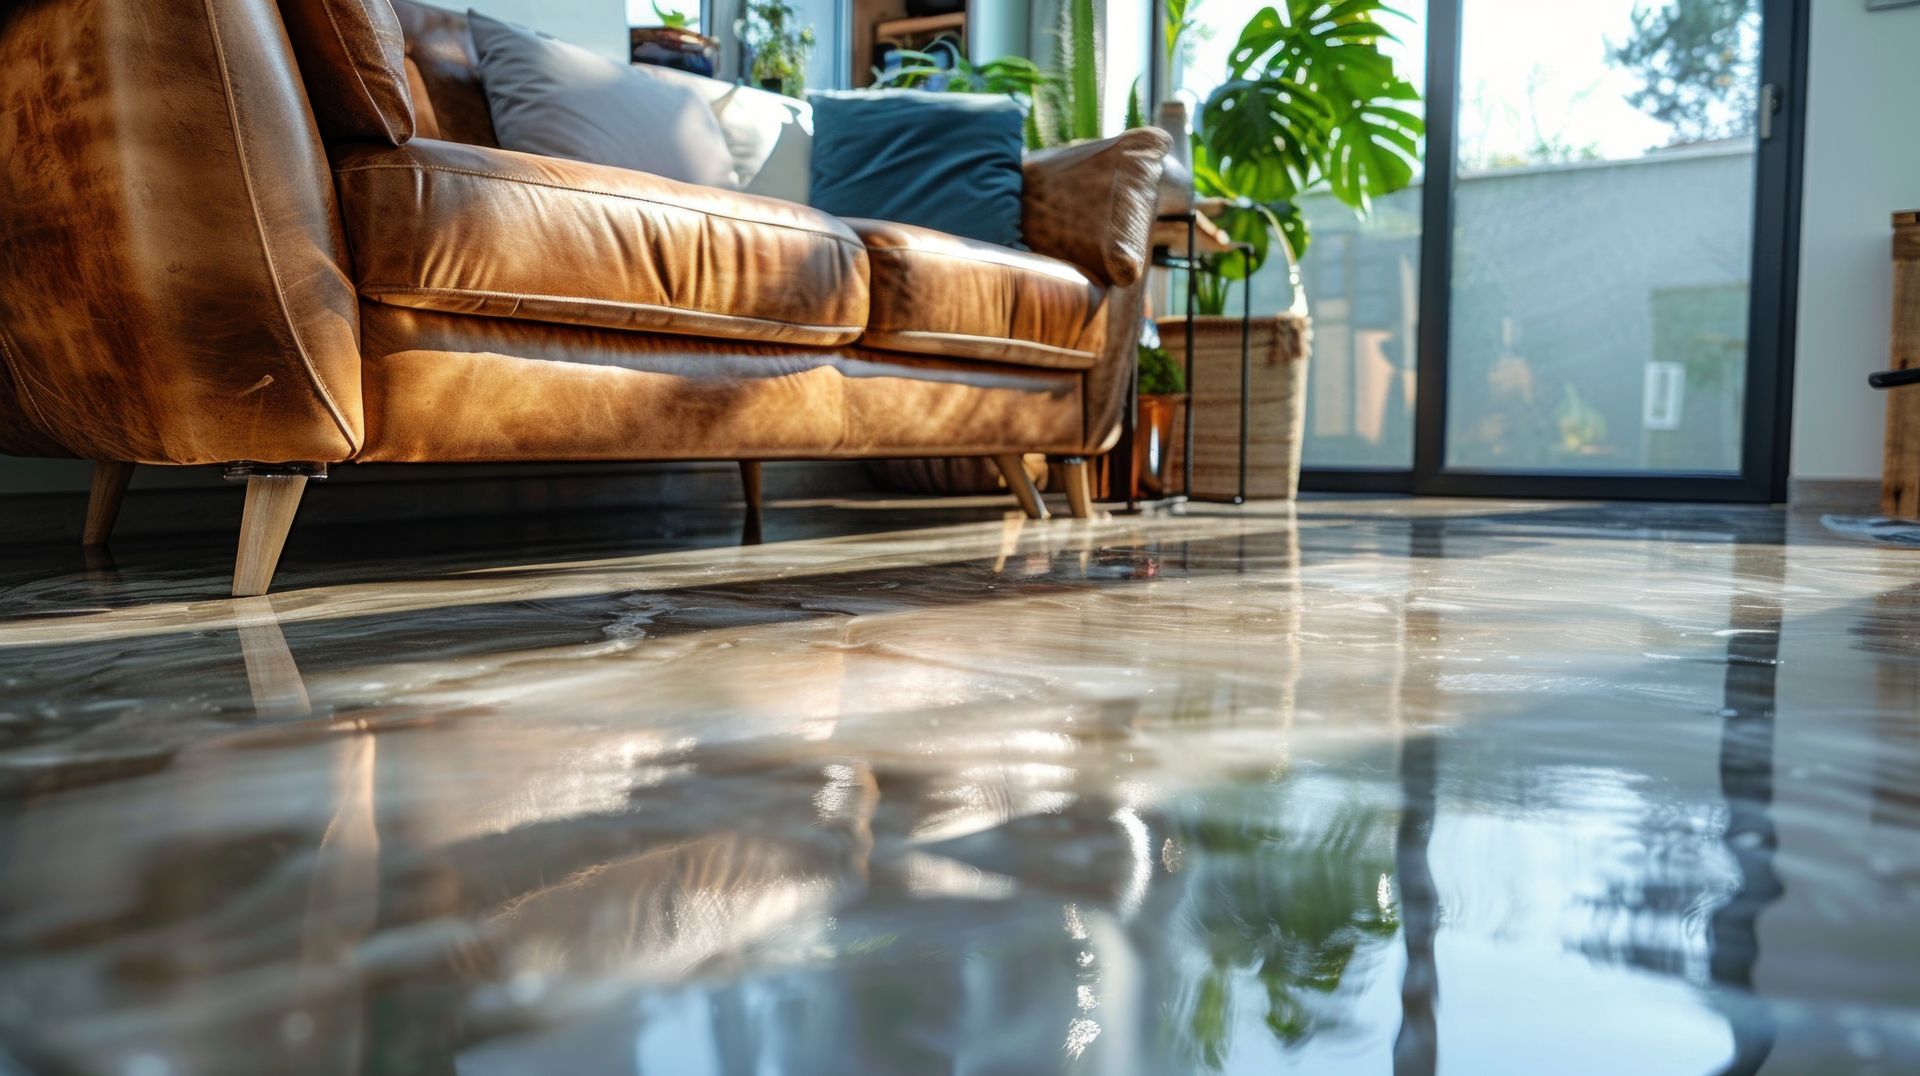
x=1069 y=106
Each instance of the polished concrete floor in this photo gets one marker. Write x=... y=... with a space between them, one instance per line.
x=1371 y=786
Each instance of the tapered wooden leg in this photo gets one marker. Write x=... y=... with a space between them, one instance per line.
x=271 y=502
x=110 y=478
x=751 y=532
x=1079 y=476
x=1014 y=469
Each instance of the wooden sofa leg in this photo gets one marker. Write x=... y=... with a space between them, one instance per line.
x=1014 y=469
x=750 y=532
x=1079 y=476
x=110 y=478
x=273 y=496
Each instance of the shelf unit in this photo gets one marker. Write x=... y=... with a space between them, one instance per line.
x=884 y=22
x=899 y=29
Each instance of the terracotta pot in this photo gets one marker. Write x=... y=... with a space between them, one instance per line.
x=1157 y=424
x=1276 y=409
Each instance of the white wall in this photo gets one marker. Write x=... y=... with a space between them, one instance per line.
x=600 y=25
x=1862 y=164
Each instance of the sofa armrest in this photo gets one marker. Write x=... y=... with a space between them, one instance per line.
x=1092 y=203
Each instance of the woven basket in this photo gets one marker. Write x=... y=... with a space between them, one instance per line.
x=1276 y=414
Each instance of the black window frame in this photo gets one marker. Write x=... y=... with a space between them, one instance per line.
x=1767 y=421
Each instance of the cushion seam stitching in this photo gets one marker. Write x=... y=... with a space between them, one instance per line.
x=376 y=290
x=848 y=241
x=1015 y=341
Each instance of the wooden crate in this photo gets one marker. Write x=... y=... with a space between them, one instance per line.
x=1900 y=468
x=1276 y=415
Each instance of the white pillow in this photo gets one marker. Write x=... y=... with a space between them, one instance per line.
x=560 y=100
x=770 y=136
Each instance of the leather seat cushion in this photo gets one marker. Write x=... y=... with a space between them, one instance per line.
x=444 y=388
x=472 y=230
x=936 y=294
x=449 y=101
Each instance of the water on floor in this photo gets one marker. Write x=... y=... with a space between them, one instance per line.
x=1380 y=786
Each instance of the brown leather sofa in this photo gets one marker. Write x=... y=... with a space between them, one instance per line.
x=206 y=257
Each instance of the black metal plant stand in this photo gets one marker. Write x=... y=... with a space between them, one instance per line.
x=1166 y=259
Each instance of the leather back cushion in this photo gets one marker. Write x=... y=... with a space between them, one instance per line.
x=353 y=60
x=440 y=48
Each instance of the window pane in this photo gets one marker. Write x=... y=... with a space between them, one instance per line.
x=1603 y=236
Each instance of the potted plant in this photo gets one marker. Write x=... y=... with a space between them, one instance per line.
x=674 y=43
x=1311 y=104
x=1163 y=391
x=779 y=50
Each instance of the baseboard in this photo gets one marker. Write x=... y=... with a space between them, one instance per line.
x=188 y=501
x=1853 y=496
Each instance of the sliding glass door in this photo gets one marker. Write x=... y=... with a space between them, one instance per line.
x=1589 y=290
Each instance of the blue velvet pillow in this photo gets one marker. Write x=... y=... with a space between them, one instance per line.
x=948 y=161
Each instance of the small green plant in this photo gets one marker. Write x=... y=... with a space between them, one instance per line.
x=672 y=20
x=1311 y=103
x=1159 y=374
x=779 y=51
x=1063 y=98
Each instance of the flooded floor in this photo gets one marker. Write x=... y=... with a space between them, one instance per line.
x=1377 y=786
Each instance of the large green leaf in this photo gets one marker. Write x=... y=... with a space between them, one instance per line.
x=1312 y=99
x=1268 y=137
x=1373 y=146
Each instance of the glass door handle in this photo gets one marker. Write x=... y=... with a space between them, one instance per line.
x=1771 y=96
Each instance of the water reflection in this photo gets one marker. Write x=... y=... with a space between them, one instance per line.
x=1746 y=780
x=1331 y=793
x=1416 y=1046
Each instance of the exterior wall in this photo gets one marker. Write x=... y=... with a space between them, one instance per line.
x=1566 y=277
x=1861 y=166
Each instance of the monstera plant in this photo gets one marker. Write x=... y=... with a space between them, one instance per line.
x=1311 y=104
